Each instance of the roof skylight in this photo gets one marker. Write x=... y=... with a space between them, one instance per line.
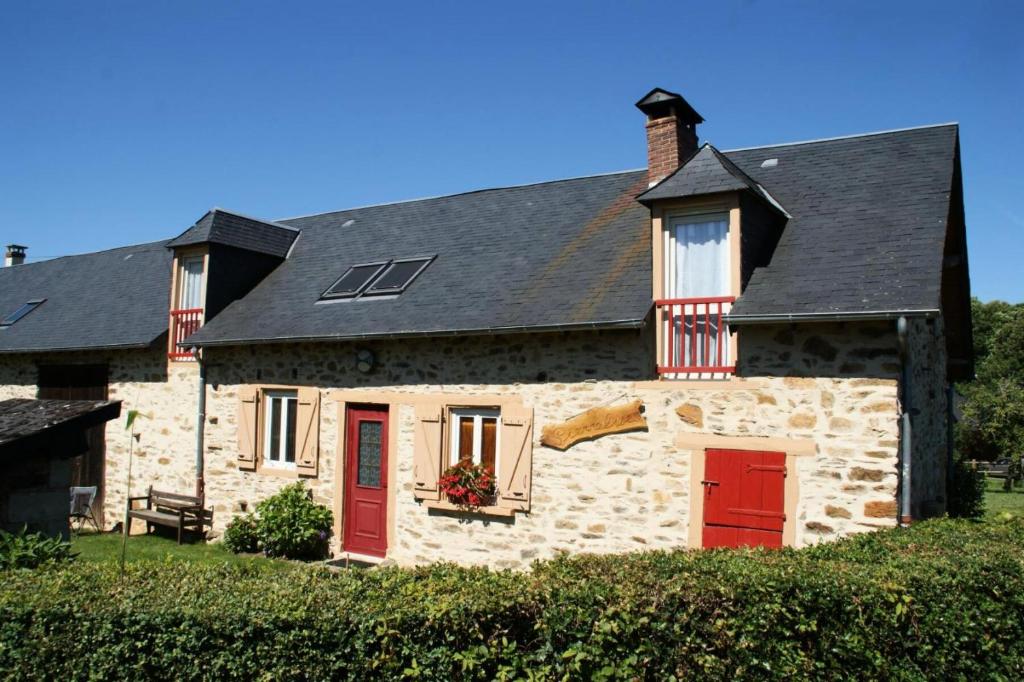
x=378 y=279
x=354 y=280
x=21 y=312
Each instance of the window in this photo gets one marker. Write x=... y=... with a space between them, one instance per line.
x=21 y=312
x=190 y=294
x=398 y=275
x=377 y=279
x=474 y=436
x=698 y=268
x=279 y=412
x=354 y=280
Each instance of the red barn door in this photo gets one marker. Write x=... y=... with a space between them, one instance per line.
x=743 y=498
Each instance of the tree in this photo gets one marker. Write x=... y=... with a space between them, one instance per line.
x=993 y=410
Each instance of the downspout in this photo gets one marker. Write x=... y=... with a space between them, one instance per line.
x=906 y=439
x=200 y=427
x=950 y=441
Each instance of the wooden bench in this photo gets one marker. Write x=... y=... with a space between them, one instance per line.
x=183 y=512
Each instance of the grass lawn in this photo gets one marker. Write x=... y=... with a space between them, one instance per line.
x=997 y=500
x=106 y=547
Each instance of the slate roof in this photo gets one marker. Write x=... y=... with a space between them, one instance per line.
x=864 y=234
x=27 y=425
x=218 y=226
x=565 y=254
x=867 y=226
x=707 y=171
x=109 y=299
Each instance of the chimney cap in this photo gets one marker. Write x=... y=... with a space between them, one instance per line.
x=658 y=103
x=16 y=247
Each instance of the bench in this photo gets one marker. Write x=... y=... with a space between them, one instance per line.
x=184 y=512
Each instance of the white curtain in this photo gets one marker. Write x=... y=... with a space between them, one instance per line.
x=701 y=270
x=191 y=283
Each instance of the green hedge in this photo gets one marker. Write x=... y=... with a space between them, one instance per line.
x=943 y=600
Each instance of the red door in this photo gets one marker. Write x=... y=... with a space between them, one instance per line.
x=743 y=498
x=366 y=481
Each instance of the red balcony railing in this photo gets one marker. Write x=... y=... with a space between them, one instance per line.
x=184 y=323
x=695 y=337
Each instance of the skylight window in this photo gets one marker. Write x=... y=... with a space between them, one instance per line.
x=354 y=280
x=21 y=312
x=398 y=275
x=378 y=279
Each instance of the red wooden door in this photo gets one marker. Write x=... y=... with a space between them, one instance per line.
x=366 y=481
x=743 y=498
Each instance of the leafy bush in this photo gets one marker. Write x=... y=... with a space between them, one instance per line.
x=941 y=600
x=289 y=524
x=967 y=493
x=242 y=534
x=31 y=550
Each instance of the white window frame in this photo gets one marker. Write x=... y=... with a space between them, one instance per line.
x=183 y=289
x=478 y=414
x=284 y=396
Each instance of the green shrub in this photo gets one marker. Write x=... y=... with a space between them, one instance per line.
x=967 y=492
x=941 y=600
x=31 y=550
x=242 y=534
x=289 y=524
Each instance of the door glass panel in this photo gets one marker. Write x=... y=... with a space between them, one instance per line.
x=369 y=454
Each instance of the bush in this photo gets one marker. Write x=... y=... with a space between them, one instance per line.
x=242 y=534
x=941 y=600
x=967 y=493
x=289 y=524
x=31 y=550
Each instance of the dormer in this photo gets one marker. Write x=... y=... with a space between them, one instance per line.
x=712 y=224
x=216 y=261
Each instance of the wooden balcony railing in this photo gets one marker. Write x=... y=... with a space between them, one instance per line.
x=695 y=337
x=184 y=323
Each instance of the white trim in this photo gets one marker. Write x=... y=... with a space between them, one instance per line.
x=478 y=414
x=841 y=137
x=284 y=396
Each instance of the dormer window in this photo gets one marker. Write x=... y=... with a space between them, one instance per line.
x=697 y=285
x=188 y=311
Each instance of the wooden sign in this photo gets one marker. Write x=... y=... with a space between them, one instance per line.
x=594 y=423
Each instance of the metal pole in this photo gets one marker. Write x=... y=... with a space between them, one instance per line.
x=200 y=428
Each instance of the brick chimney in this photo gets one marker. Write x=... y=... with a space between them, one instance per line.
x=15 y=255
x=671 y=132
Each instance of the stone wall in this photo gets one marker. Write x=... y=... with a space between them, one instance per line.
x=616 y=493
x=833 y=386
x=163 y=453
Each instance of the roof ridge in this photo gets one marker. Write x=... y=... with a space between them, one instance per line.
x=842 y=137
x=249 y=217
x=459 y=194
x=157 y=243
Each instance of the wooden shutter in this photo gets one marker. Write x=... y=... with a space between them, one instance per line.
x=515 y=461
x=426 y=467
x=307 y=431
x=248 y=409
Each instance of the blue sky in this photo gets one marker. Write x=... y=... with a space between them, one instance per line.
x=122 y=122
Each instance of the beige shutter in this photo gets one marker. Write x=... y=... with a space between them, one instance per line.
x=248 y=409
x=307 y=431
x=426 y=468
x=515 y=461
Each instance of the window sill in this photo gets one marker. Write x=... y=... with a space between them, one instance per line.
x=493 y=510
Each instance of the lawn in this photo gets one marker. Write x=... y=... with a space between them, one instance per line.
x=997 y=500
x=106 y=547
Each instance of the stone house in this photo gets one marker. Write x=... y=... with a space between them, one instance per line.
x=752 y=346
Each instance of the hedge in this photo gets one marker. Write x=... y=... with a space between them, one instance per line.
x=942 y=600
